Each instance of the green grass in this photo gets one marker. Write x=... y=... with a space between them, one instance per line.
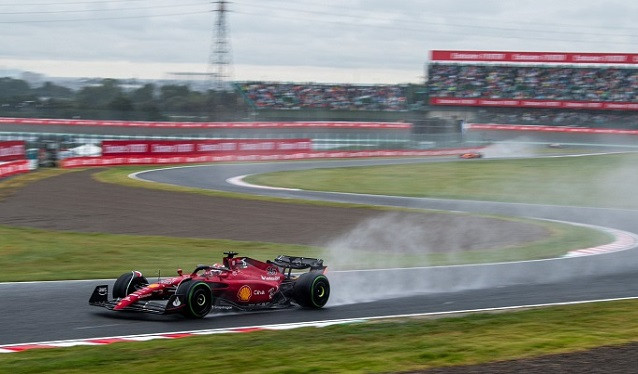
x=601 y=181
x=32 y=254
x=70 y=255
x=381 y=346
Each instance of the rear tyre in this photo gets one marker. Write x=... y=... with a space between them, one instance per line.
x=311 y=290
x=128 y=283
x=199 y=300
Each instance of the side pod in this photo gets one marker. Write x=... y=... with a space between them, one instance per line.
x=100 y=295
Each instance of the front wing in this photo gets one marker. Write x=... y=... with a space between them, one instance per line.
x=100 y=298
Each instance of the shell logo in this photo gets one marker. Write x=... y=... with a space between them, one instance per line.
x=244 y=293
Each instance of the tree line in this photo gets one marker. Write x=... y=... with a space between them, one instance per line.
x=108 y=99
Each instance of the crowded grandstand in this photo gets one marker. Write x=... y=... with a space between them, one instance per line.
x=335 y=97
x=537 y=88
x=613 y=84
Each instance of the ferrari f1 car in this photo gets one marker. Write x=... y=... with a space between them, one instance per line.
x=239 y=283
x=468 y=155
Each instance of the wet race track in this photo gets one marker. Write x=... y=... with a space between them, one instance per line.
x=51 y=311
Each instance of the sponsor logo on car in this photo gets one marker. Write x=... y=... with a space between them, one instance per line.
x=269 y=278
x=244 y=293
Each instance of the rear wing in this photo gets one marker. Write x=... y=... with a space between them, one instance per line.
x=298 y=263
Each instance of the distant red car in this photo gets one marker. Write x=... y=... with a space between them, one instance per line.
x=471 y=155
x=240 y=283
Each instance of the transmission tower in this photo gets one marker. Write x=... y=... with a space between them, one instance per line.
x=220 y=61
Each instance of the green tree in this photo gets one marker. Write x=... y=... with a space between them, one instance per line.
x=11 y=88
x=144 y=94
x=121 y=104
x=51 y=90
x=179 y=98
x=99 y=97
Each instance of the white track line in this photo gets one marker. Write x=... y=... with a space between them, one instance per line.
x=239 y=181
x=13 y=348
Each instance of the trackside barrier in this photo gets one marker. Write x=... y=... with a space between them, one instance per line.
x=186 y=159
x=555 y=129
x=12 y=150
x=14 y=167
x=547 y=104
x=203 y=125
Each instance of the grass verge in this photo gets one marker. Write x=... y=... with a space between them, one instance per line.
x=381 y=346
x=601 y=181
x=70 y=255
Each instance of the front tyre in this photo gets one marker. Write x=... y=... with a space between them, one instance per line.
x=199 y=300
x=128 y=283
x=311 y=290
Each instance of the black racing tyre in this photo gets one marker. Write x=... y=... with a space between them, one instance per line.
x=128 y=283
x=199 y=300
x=311 y=290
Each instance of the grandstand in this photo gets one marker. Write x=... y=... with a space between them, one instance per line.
x=295 y=96
x=544 y=88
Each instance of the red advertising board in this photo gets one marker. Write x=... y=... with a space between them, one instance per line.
x=204 y=147
x=517 y=103
x=534 y=57
x=203 y=125
x=74 y=162
x=12 y=150
x=8 y=169
x=536 y=128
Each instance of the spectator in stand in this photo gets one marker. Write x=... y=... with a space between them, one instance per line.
x=558 y=118
x=324 y=96
x=606 y=83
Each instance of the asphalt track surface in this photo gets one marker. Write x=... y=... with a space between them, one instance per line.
x=50 y=311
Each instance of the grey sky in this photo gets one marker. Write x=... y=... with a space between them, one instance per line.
x=363 y=41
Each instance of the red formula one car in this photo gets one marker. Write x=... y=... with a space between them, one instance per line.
x=240 y=283
x=468 y=155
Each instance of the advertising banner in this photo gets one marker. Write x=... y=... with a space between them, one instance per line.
x=203 y=125
x=152 y=160
x=12 y=150
x=8 y=169
x=204 y=147
x=534 y=57
x=562 y=129
x=516 y=103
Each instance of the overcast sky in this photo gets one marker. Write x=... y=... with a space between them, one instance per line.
x=356 y=41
